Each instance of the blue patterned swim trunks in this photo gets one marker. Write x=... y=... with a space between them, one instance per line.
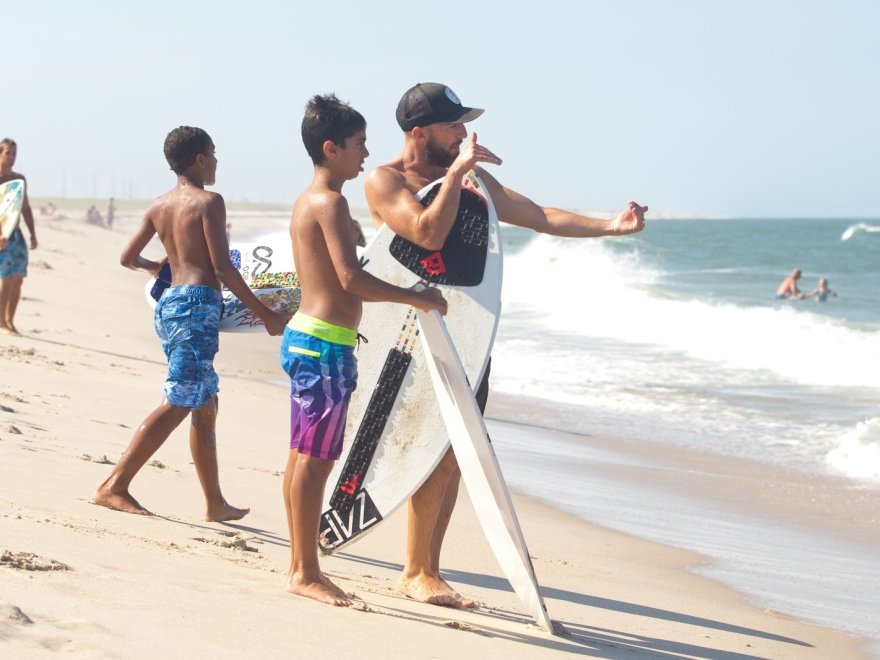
x=187 y=320
x=14 y=259
x=323 y=375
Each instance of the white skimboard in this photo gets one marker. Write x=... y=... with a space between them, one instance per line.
x=394 y=434
x=479 y=466
x=269 y=272
x=11 y=201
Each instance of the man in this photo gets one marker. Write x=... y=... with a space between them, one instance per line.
x=432 y=119
x=789 y=287
x=13 y=252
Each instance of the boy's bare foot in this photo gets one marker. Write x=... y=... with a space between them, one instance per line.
x=433 y=590
x=322 y=590
x=224 y=512
x=119 y=501
x=9 y=330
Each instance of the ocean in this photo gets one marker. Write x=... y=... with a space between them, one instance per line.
x=674 y=337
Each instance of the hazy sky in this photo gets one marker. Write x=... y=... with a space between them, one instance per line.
x=741 y=108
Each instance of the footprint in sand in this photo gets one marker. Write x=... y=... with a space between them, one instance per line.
x=28 y=561
x=236 y=544
x=103 y=459
x=10 y=613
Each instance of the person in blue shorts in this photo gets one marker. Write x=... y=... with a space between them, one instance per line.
x=317 y=351
x=14 y=251
x=788 y=289
x=191 y=223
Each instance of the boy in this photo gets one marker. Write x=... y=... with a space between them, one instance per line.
x=191 y=223
x=317 y=351
x=14 y=251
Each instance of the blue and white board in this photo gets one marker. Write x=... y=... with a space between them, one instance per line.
x=395 y=435
x=479 y=467
x=267 y=269
x=11 y=202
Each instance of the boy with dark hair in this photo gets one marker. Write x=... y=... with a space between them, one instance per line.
x=317 y=351
x=191 y=223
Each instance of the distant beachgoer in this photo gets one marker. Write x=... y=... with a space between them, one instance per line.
x=14 y=250
x=48 y=210
x=93 y=216
x=111 y=213
x=435 y=146
x=190 y=222
x=821 y=292
x=317 y=351
x=788 y=288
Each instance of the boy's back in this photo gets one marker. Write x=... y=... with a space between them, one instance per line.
x=188 y=221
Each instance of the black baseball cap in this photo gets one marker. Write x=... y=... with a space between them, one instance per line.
x=432 y=103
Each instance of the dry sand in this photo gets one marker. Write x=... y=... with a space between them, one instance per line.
x=81 y=579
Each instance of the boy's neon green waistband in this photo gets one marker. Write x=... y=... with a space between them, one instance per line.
x=335 y=334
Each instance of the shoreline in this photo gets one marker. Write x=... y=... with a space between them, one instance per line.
x=805 y=544
x=89 y=369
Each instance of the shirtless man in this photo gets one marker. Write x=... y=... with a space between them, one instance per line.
x=191 y=223
x=432 y=119
x=14 y=251
x=317 y=351
x=789 y=288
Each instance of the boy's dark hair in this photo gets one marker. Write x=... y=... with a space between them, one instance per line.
x=183 y=144
x=328 y=118
x=7 y=142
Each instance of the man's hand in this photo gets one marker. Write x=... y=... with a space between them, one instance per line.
x=472 y=153
x=34 y=243
x=630 y=221
x=429 y=299
x=3 y=243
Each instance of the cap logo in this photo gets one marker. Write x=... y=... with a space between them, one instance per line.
x=451 y=96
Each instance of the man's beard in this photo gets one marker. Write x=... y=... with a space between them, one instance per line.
x=437 y=156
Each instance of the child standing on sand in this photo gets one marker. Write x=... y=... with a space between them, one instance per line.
x=191 y=223
x=317 y=351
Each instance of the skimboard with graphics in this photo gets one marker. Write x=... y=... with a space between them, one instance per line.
x=11 y=201
x=479 y=468
x=395 y=435
x=269 y=272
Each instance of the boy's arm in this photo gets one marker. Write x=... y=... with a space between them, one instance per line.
x=335 y=220
x=214 y=225
x=131 y=253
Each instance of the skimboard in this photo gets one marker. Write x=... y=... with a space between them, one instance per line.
x=394 y=434
x=269 y=272
x=11 y=201
x=479 y=467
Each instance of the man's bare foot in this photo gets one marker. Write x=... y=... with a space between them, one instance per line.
x=10 y=330
x=433 y=590
x=119 y=501
x=225 y=512
x=322 y=590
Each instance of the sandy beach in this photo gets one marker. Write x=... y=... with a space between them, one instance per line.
x=80 y=579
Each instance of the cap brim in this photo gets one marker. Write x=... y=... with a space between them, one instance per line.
x=469 y=115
